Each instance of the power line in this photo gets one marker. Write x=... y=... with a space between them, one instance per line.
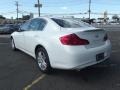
x=7 y=13
x=84 y=13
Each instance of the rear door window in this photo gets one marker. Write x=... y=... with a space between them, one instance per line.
x=25 y=26
x=42 y=24
x=37 y=24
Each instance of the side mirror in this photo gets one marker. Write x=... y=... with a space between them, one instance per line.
x=20 y=30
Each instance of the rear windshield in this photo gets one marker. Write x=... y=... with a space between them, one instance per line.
x=70 y=23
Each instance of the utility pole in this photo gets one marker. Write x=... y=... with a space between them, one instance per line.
x=17 y=5
x=89 y=9
x=38 y=5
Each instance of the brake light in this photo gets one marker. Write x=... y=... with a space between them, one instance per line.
x=105 y=37
x=73 y=39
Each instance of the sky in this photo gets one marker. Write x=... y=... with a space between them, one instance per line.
x=8 y=8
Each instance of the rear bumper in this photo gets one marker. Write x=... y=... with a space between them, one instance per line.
x=89 y=64
x=80 y=57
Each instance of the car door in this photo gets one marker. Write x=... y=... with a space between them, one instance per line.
x=19 y=37
x=35 y=29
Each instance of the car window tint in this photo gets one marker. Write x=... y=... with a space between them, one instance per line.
x=42 y=24
x=37 y=24
x=69 y=23
x=34 y=24
x=25 y=26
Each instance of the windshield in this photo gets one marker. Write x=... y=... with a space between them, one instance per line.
x=70 y=23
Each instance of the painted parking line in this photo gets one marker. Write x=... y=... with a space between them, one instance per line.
x=4 y=43
x=4 y=36
x=34 y=82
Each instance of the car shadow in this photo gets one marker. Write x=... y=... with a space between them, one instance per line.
x=98 y=72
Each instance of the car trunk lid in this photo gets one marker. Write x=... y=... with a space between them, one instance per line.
x=95 y=36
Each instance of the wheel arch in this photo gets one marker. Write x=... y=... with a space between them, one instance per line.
x=38 y=46
x=41 y=46
x=11 y=37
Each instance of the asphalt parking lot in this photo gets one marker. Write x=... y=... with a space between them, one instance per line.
x=18 y=71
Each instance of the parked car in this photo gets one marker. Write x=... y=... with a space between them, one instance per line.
x=1 y=28
x=62 y=43
x=1 y=25
x=8 y=28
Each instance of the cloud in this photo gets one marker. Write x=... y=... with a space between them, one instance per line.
x=64 y=8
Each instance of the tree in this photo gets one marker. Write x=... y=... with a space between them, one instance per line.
x=1 y=17
x=26 y=17
x=115 y=17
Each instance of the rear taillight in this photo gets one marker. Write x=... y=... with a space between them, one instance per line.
x=105 y=37
x=73 y=39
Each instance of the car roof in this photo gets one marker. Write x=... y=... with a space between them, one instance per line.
x=54 y=17
x=50 y=18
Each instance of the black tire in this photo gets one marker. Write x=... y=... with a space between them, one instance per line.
x=13 y=45
x=43 y=60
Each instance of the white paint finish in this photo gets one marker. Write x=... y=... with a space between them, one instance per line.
x=63 y=56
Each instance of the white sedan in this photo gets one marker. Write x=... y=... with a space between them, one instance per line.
x=62 y=43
